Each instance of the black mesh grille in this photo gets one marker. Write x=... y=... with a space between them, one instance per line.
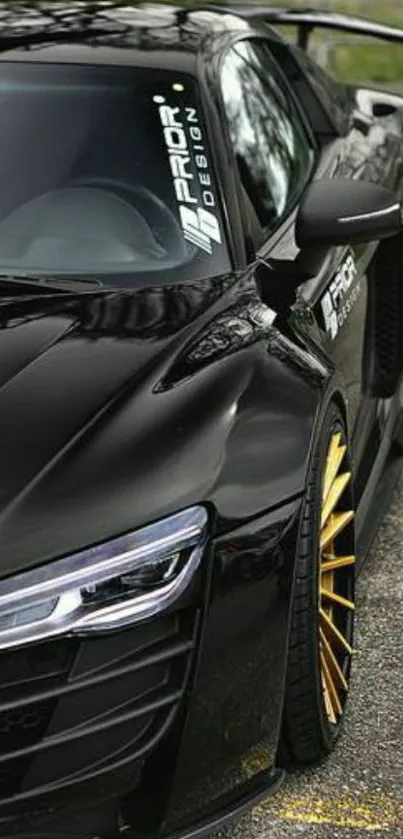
x=23 y=724
x=387 y=329
x=387 y=291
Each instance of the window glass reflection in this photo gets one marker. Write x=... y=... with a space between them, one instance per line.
x=271 y=147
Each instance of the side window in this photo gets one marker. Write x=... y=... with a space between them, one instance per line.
x=272 y=148
x=337 y=99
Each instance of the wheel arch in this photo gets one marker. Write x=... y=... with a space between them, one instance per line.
x=334 y=394
x=334 y=400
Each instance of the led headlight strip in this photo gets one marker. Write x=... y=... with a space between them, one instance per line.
x=106 y=587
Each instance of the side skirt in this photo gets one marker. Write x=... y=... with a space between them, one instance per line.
x=379 y=505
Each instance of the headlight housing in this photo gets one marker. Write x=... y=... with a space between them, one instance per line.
x=105 y=587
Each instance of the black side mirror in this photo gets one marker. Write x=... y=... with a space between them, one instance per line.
x=341 y=211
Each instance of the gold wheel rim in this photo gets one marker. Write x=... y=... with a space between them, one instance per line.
x=336 y=603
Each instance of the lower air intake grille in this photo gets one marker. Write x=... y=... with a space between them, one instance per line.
x=72 y=711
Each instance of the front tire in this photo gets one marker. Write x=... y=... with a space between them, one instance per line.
x=321 y=630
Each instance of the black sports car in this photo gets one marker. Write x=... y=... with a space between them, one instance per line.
x=201 y=303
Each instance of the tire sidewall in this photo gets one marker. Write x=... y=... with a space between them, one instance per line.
x=332 y=424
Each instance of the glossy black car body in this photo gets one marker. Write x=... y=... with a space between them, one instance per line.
x=125 y=402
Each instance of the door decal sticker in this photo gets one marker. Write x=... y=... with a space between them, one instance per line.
x=338 y=301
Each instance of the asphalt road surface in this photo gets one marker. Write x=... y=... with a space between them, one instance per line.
x=358 y=793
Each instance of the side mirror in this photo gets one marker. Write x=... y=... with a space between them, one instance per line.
x=344 y=211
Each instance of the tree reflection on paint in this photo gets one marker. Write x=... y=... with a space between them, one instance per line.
x=273 y=155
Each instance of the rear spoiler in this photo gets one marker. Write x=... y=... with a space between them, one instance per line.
x=309 y=19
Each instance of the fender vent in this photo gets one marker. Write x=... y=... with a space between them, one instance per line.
x=387 y=294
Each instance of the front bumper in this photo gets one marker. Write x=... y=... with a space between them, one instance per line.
x=169 y=724
x=226 y=813
x=85 y=715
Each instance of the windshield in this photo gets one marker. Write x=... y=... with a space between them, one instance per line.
x=106 y=171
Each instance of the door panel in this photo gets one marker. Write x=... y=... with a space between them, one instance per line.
x=340 y=293
x=269 y=139
x=339 y=298
x=342 y=312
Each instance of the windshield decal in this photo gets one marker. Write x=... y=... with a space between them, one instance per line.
x=192 y=180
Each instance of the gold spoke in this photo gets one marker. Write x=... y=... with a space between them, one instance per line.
x=332 y=642
x=333 y=664
x=334 y=696
x=337 y=598
x=333 y=497
x=328 y=623
x=328 y=701
x=333 y=462
x=335 y=525
x=333 y=563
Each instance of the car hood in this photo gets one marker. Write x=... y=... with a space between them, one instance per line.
x=91 y=442
x=119 y=408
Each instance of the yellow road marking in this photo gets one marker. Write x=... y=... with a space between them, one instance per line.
x=258 y=759
x=370 y=811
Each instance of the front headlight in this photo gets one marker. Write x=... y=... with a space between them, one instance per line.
x=106 y=587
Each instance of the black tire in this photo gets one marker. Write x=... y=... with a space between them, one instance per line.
x=307 y=733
